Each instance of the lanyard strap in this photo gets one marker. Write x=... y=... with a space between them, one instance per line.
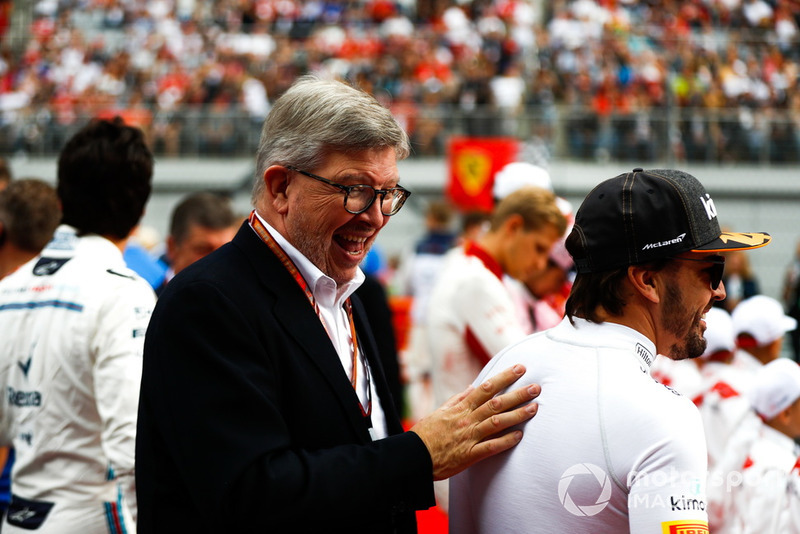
x=263 y=233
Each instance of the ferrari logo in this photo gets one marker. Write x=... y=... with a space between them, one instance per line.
x=473 y=169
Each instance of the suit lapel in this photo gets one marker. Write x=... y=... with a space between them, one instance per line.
x=298 y=318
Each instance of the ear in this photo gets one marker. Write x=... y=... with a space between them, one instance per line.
x=513 y=223
x=276 y=180
x=645 y=282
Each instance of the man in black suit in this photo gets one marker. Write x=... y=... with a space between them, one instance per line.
x=264 y=407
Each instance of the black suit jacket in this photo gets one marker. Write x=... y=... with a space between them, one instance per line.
x=247 y=421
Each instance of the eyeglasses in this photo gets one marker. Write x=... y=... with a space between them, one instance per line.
x=714 y=272
x=358 y=198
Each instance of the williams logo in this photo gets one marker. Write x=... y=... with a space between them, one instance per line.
x=48 y=266
x=26 y=366
x=582 y=482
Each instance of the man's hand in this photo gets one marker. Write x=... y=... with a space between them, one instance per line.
x=469 y=427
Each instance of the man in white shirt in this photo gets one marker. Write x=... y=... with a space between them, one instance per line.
x=767 y=499
x=471 y=314
x=613 y=451
x=72 y=327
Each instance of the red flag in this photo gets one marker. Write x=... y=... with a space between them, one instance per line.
x=473 y=163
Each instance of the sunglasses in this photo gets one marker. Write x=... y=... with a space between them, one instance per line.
x=714 y=272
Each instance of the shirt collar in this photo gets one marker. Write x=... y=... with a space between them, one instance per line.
x=322 y=286
x=473 y=249
x=615 y=334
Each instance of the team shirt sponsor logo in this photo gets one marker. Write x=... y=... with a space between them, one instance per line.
x=142 y=313
x=48 y=266
x=24 y=399
x=684 y=527
x=644 y=354
x=708 y=204
x=117 y=273
x=25 y=366
x=681 y=504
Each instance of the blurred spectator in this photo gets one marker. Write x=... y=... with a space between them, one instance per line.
x=721 y=397
x=139 y=257
x=767 y=497
x=5 y=174
x=611 y=75
x=760 y=326
x=29 y=214
x=200 y=223
x=739 y=279
x=416 y=277
x=540 y=296
x=791 y=298
x=473 y=225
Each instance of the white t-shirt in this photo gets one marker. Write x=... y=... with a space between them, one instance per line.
x=610 y=449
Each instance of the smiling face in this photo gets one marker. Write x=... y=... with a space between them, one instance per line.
x=314 y=219
x=687 y=297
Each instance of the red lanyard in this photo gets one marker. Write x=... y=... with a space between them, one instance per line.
x=263 y=233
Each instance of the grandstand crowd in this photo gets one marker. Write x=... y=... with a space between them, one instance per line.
x=706 y=79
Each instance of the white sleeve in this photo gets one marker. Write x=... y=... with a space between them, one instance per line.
x=668 y=486
x=768 y=502
x=489 y=314
x=118 y=346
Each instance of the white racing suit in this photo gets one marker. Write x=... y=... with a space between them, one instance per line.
x=72 y=325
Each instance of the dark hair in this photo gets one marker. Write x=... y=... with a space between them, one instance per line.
x=104 y=178
x=30 y=213
x=209 y=210
x=591 y=291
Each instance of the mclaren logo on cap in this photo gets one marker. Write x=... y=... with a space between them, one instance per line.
x=708 y=204
x=672 y=241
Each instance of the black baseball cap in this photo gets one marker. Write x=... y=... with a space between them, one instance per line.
x=645 y=215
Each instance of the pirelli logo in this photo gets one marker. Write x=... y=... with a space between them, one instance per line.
x=684 y=527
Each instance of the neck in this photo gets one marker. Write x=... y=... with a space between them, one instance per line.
x=490 y=243
x=119 y=243
x=763 y=354
x=637 y=315
x=782 y=427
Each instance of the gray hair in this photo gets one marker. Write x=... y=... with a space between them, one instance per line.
x=315 y=117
